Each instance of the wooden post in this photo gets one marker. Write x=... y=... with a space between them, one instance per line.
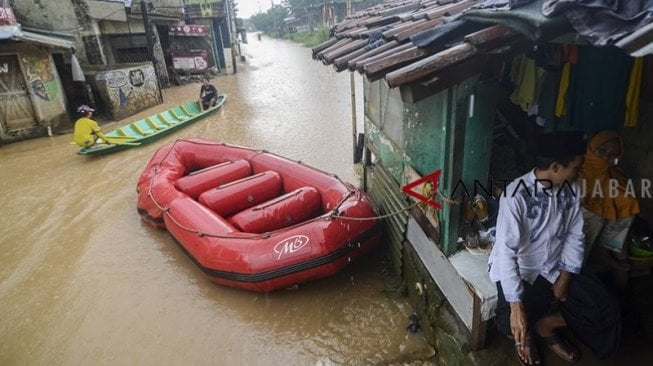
x=352 y=88
x=150 y=46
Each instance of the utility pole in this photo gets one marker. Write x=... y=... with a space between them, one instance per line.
x=150 y=47
x=352 y=87
x=232 y=35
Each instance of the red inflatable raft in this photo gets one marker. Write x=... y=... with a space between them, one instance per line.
x=252 y=219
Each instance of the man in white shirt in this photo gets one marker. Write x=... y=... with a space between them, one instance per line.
x=539 y=246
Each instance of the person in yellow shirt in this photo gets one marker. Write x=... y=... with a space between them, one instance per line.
x=87 y=131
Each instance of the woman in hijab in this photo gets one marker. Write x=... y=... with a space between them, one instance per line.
x=609 y=202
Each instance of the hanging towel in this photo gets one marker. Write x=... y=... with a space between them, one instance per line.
x=78 y=74
x=525 y=75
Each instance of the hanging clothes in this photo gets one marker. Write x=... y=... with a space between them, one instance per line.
x=547 y=100
x=561 y=101
x=525 y=75
x=633 y=94
x=597 y=88
x=571 y=57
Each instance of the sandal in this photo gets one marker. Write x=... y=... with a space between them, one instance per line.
x=535 y=355
x=572 y=353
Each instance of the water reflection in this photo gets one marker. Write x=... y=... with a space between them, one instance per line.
x=83 y=281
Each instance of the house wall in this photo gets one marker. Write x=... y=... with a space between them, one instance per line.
x=453 y=131
x=450 y=131
x=44 y=87
x=126 y=89
x=69 y=17
x=637 y=161
x=425 y=131
x=131 y=34
x=52 y=14
x=167 y=7
x=107 y=10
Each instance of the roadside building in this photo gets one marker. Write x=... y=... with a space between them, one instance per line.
x=33 y=76
x=115 y=55
x=460 y=90
x=219 y=18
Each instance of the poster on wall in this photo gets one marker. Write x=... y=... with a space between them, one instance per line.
x=41 y=76
x=195 y=62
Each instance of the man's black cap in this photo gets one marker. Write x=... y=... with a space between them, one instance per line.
x=560 y=144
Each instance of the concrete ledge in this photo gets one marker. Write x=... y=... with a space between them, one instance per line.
x=473 y=269
x=462 y=279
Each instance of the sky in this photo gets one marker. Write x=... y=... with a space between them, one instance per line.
x=247 y=8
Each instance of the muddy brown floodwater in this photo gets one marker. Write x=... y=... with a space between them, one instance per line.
x=84 y=282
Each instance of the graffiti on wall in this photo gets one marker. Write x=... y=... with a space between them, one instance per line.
x=136 y=77
x=123 y=84
x=114 y=79
x=129 y=90
x=40 y=76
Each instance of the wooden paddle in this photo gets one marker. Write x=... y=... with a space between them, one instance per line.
x=125 y=143
x=118 y=142
x=115 y=143
x=121 y=137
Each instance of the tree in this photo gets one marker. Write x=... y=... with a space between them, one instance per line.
x=271 y=22
x=304 y=5
x=234 y=6
x=301 y=4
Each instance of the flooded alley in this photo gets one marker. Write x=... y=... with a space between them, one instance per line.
x=84 y=282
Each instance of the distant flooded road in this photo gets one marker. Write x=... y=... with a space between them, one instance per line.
x=84 y=282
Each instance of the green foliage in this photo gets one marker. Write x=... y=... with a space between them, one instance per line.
x=296 y=4
x=311 y=39
x=271 y=22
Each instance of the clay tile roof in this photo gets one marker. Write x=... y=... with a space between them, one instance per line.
x=431 y=42
x=380 y=41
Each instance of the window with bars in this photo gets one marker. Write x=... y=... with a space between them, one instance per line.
x=131 y=55
x=129 y=48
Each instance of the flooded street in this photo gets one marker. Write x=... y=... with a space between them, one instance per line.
x=84 y=282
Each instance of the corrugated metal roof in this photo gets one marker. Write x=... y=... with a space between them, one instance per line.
x=31 y=37
x=418 y=41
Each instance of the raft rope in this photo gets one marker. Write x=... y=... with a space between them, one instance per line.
x=445 y=200
x=333 y=215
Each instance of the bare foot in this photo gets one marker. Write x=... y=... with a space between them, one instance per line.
x=527 y=353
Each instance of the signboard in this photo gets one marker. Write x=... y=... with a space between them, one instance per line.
x=195 y=62
x=189 y=30
x=205 y=6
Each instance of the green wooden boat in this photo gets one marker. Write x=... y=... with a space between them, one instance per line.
x=148 y=129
